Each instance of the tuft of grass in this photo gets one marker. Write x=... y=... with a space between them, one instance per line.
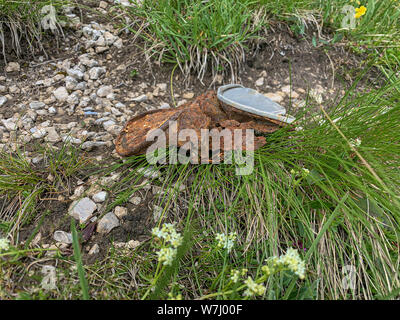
x=21 y=29
x=25 y=186
x=199 y=36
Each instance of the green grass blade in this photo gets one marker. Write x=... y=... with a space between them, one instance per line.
x=78 y=260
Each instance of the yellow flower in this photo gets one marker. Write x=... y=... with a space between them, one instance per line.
x=360 y=12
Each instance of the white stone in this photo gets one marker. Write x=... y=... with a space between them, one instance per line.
x=120 y=212
x=3 y=100
x=61 y=94
x=69 y=139
x=162 y=86
x=70 y=83
x=81 y=86
x=86 y=61
x=96 y=72
x=290 y=92
x=188 y=95
x=50 y=276
x=35 y=105
x=78 y=192
x=9 y=124
x=38 y=133
x=100 y=42
x=128 y=3
x=114 y=130
x=12 y=67
x=82 y=210
x=36 y=160
x=100 y=196
x=75 y=73
x=119 y=43
x=316 y=95
x=73 y=99
x=94 y=250
x=108 y=222
x=101 y=49
x=14 y=89
x=63 y=237
x=108 y=124
x=109 y=38
x=286 y=89
x=135 y=200
x=132 y=244
x=52 y=135
x=119 y=105
x=116 y=112
x=260 y=82
x=181 y=102
x=165 y=106
x=89 y=145
x=104 y=91
x=141 y=98
x=41 y=112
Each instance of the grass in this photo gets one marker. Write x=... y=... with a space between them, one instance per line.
x=78 y=260
x=213 y=36
x=198 y=36
x=341 y=214
x=21 y=29
x=25 y=187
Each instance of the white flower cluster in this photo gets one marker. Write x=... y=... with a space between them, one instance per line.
x=291 y=260
x=166 y=255
x=236 y=274
x=171 y=296
x=226 y=241
x=168 y=232
x=4 y=244
x=253 y=288
x=355 y=143
x=304 y=172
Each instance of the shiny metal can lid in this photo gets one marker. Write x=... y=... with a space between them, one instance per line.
x=250 y=100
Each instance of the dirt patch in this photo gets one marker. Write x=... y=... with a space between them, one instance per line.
x=136 y=225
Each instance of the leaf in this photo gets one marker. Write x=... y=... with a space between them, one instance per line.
x=314 y=41
x=78 y=260
x=88 y=231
